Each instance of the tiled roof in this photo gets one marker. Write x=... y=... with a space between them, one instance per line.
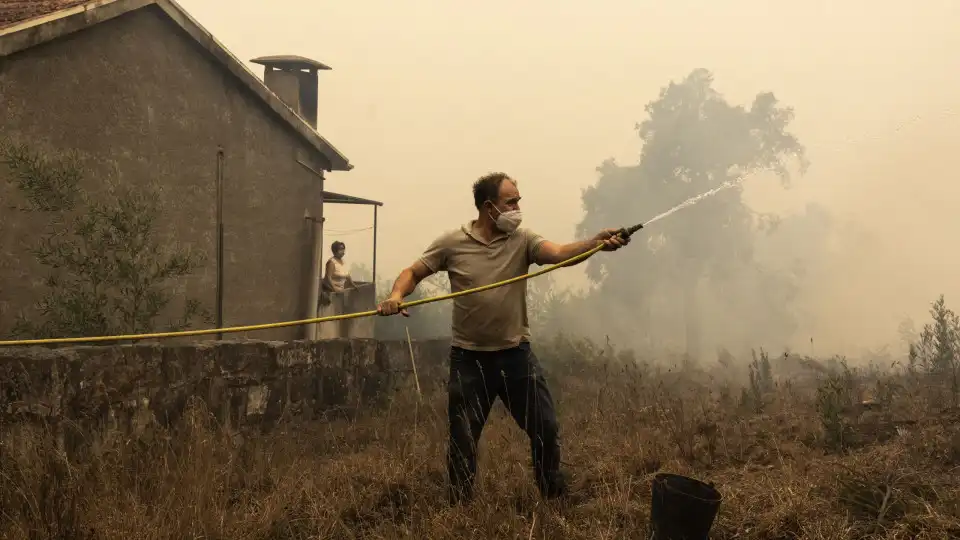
x=16 y=11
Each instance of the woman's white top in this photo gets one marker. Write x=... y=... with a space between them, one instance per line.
x=338 y=278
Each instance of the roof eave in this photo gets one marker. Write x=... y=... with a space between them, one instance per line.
x=330 y=197
x=15 y=38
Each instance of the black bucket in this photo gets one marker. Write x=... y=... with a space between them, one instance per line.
x=682 y=508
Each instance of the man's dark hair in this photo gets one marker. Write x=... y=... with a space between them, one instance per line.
x=336 y=245
x=487 y=188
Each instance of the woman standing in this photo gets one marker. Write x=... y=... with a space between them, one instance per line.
x=336 y=276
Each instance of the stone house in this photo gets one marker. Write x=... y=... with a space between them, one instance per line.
x=155 y=100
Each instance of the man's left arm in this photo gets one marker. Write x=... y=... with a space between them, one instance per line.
x=552 y=253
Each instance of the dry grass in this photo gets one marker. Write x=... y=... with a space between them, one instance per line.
x=796 y=469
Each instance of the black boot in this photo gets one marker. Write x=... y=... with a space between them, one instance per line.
x=553 y=486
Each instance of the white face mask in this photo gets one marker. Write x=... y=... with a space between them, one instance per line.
x=508 y=221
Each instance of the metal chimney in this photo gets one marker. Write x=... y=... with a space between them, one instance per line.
x=294 y=80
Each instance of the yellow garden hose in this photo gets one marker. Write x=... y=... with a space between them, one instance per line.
x=284 y=324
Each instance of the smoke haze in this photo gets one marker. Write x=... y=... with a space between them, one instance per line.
x=425 y=97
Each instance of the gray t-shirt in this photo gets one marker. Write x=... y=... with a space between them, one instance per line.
x=495 y=319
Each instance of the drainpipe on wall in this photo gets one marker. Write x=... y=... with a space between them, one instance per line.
x=313 y=291
x=219 y=240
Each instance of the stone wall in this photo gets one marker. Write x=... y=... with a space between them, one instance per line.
x=83 y=392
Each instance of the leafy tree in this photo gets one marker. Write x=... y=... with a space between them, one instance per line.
x=937 y=349
x=543 y=303
x=107 y=272
x=907 y=331
x=360 y=272
x=693 y=141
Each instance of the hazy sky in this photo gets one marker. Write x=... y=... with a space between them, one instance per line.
x=425 y=96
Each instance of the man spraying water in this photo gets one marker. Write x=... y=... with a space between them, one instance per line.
x=490 y=354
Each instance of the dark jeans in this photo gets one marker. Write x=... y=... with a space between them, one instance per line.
x=514 y=375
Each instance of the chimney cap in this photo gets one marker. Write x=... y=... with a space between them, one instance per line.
x=290 y=61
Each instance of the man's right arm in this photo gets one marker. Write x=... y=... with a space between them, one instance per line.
x=408 y=280
x=433 y=260
x=405 y=284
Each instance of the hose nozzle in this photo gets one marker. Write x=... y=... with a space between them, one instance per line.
x=628 y=231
